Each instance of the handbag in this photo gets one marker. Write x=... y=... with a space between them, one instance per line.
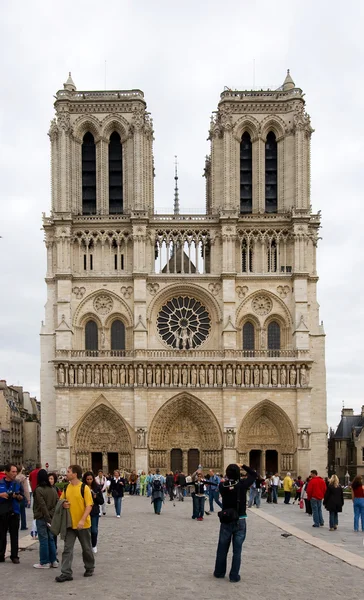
x=228 y=515
x=302 y=503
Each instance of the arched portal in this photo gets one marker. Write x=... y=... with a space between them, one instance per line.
x=102 y=440
x=266 y=439
x=185 y=422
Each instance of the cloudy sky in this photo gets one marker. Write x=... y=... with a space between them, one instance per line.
x=182 y=54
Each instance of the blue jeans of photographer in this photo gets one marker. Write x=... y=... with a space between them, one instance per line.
x=47 y=548
x=236 y=533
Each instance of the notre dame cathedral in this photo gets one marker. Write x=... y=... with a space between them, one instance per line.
x=171 y=340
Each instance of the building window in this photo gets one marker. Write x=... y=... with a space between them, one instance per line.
x=246 y=174
x=118 y=335
x=338 y=462
x=246 y=258
x=271 y=196
x=274 y=336
x=91 y=336
x=115 y=174
x=88 y=175
x=248 y=336
x=272 y=256
x=362 y=454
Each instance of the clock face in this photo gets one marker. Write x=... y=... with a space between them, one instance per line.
x=183 y=323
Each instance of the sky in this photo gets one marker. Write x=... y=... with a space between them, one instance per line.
x=182 y=54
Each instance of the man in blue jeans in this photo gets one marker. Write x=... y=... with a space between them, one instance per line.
x=316 y=489
x=213 y=490
x=233 y=492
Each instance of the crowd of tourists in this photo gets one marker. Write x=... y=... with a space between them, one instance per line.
x=71 y=509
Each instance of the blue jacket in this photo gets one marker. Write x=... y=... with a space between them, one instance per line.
x=13 y=486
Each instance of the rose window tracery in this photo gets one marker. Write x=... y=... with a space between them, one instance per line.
x=262 y=305
x=103 y=304
x=183 y=323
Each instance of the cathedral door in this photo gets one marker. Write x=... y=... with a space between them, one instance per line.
x=176 y=460
x=96 y=461
x=255 y=459
x=271 y=461
x=112 y=461
x=193 y=460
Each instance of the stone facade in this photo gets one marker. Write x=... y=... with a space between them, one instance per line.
x=172 y=340
x=346 y=446
x=19 y=426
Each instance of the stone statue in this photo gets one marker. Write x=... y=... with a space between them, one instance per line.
x=175 y=375
x=265 y=375
x=292 y=376
x=202 y=375
x=274 y=375
x=283 y=376
x=71 y=375
x=97 y=375
x=158 y=375
x=140 y=375
x=149 y=375
x=229 y=375
x=211 y=375
x=80 y=375
x=247 y=375
x=219 y=375
x=141 y=437
x=131 y=375
x=184 y=373
x=105 y=375
x=303 y=376
x=122 y=375
x=102 y=339
x=167 y=375
x=238 y=375
x=61 y=375
x=193 y=375
x=230 y=438
x=62 y=437
x=88 y=375
x=114 y=375
x=256 y=374
x=304 y=438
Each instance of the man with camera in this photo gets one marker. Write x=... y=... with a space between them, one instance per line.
x=233 y=519
x=11 y=494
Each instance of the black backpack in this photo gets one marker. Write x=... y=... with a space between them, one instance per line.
x=157 y=485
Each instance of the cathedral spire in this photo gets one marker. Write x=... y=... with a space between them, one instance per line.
x=176 y=196
x=288 y=83
x=69 y=85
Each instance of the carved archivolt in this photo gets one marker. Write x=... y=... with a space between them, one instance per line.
x=277 y=304
x=185 y=422
x=266 y=425
x=102 y=429
x=87 y=306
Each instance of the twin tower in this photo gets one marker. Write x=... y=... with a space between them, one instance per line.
x=172 y=340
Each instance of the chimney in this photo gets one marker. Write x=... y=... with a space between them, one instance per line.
x=362 y=411
x=347 y=412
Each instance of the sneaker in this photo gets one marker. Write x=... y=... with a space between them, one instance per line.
x=94 y=549
x=321 y=524
x=332 y=529
x=88 y=573
x=335 y=526
x=118 y=516
x=104 y=514
x=39 y=566
x=61 y=578
x=199 y=518
x=55 y=564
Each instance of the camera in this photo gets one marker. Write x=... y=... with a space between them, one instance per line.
x=10 y=494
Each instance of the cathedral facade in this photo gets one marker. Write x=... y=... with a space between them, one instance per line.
x=172 y=340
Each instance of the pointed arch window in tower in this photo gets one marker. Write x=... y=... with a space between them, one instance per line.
x=271 y=188
x=91 y=336
x=88 y=175
x=274 y=336
x=248 y=336
x=246 y=174
x=246 y=257
x=115 y=174
x=118 y=335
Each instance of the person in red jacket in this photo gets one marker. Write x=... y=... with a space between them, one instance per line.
x=33 y=477
x=316 y=489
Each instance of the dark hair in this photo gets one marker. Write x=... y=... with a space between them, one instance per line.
x=357 y=482
x=93 y=485
x=38 y=465
x=8 y=466
x=42 y=478
x=233 y=472
x=76 y=469
x=54 y=475
x=313 y=471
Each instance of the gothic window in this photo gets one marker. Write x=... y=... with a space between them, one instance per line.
x=115 y=174
x=88 y=175
x=118 y=335
x=274 y=336
x=248 y=336
x=272 y=256
x=246 y=174
x=183 y=323
x=271 y=196
x=91 y=336
x=246 y=258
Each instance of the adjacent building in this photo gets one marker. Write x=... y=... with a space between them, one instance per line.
x=175 y=339
x=346 y=446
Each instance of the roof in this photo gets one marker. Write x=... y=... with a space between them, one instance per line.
x=346 y=425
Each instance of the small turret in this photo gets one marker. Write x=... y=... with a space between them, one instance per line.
x=69 y=85
x=288 y=83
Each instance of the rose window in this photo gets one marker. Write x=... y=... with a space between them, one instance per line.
x=183 y=323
